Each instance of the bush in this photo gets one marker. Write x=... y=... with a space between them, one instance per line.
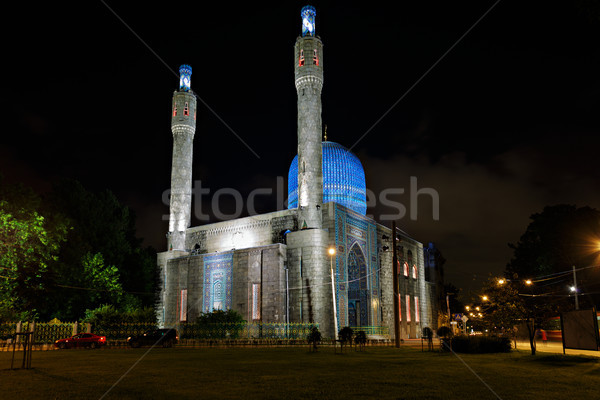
x=481 y=344
x=444 y=332
x=108 y=315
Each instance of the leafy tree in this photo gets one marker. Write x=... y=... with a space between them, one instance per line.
x=28 y=247
x=102 y=249
x=558 y=238
x=555 y=240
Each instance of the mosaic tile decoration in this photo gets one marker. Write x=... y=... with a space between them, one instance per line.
x=361 y=259
x=217 y=288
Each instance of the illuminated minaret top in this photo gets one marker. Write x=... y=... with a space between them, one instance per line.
x=308 y=20
x=185 y=78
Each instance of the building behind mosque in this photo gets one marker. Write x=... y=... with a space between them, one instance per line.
x=278 y=267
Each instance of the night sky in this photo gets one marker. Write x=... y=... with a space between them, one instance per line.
x=504 y=124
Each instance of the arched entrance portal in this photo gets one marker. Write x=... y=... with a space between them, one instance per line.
x=358 y=288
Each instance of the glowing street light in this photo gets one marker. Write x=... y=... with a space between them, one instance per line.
x=528 y=282
x=484 y=298
x=501 y=281
x=467 y=308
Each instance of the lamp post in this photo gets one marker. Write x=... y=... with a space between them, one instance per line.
x=335 y=327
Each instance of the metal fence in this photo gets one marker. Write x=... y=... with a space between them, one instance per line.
x=246 y=331
x=123 y=331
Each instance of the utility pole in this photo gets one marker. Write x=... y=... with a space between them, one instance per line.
x=575 y=288
x=395 y=283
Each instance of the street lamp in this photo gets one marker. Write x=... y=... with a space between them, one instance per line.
x=528 y=282
x=335 y=328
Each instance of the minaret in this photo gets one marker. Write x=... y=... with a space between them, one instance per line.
x=308 y=61
x=183 y=126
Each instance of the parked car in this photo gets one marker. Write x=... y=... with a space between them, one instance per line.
x=81 y=340
x=156 y=337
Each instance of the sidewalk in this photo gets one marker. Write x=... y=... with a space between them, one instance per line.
x=554 y=347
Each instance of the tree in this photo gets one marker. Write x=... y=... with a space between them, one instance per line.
x=102 y=245
x=555 y=240
x=558 y=238
x=28 y=247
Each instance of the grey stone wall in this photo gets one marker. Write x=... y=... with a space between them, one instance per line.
x=310 y=274
x=241 y=233
x=263 y=265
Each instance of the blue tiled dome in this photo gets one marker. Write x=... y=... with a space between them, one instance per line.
x=343 y=179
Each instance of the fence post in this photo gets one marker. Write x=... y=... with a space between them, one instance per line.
x=75 y=328
x=18 y=330
x=32 y=329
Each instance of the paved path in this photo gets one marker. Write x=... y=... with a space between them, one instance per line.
x=555 y=347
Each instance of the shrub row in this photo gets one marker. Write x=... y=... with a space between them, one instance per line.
x=481 y=344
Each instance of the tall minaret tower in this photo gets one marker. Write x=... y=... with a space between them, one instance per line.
x=308 y=70
x=183 y=126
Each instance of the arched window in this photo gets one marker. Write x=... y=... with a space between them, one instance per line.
x=301 y=61
x=358 y=291
x=315 y=58
x=175 y=109
x=414 y=269
x=186 y=109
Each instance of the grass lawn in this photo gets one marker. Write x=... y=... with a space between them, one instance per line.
x=294 y=373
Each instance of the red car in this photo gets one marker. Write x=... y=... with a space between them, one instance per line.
x=81 y=340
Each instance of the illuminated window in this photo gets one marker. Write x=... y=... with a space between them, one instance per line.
x=315 y=58
x=407 y=308
x=301 y=62
x=399 y=307
x=255 y=301
x=186 y=109
x=417 y=317
x=183 y=306
x=414 y=268
x=405 y=269
x=175 y=110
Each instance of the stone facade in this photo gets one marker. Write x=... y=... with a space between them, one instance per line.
x=289 y=279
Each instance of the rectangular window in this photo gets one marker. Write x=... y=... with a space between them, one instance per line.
x=183 y=303
x=256 y=301
x=175 y=110
x=407 y=308
x=186 y=109
x=417 y=316
x=315 y=58
x=399 y=307
x=301 y=62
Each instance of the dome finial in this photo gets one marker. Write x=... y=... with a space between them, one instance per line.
x=325 y=132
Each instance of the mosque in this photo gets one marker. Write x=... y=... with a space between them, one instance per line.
x=320 y=261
